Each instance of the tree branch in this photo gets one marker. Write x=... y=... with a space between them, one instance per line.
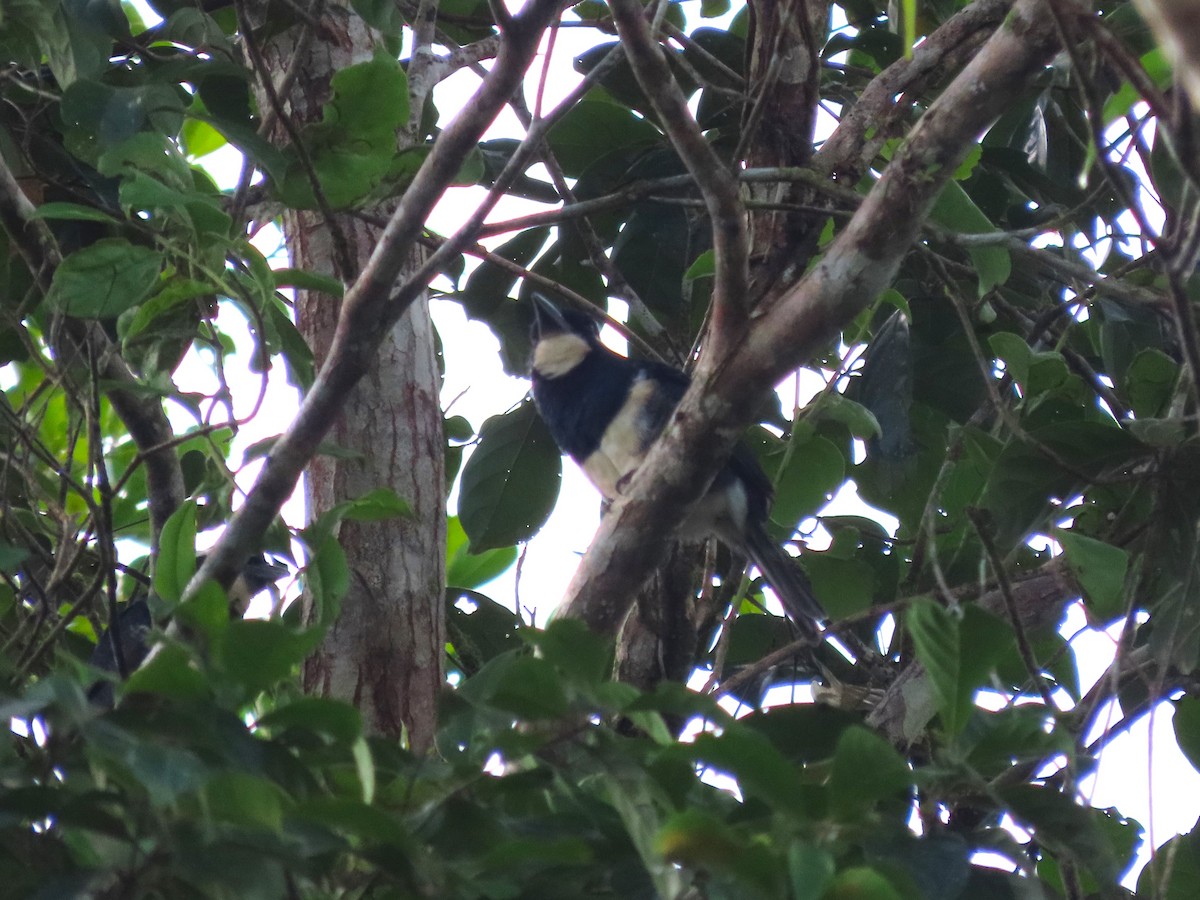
x=717 y=185
x=859 y=264
x=848 y=151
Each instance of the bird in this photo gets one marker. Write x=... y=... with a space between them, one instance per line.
x=605 y=410
x=135 y=621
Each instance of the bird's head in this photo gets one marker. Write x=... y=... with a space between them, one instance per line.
x=562 y=338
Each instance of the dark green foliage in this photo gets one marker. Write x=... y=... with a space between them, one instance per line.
x=1006 y=393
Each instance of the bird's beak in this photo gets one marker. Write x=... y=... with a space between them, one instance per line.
x=547 y=317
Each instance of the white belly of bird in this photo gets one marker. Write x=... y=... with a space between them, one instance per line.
x=623 y=446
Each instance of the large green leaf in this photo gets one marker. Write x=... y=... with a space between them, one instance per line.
x=1024 y=481
x=1100 y=569
x=510 y=483
x=595 y=128
x=1174 y=871
x=812 y=470
x=256 y=653
x=105 y=279
x=176 y=561
x=521 y=685
x=352 y=148
x=1186 y=722
x=866 y=769
x=1066 y=827
x=959 y=651
x=99 y=116
x=468 y=570
x=955 y=210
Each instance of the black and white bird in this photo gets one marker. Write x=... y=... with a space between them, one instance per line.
x=605 y=410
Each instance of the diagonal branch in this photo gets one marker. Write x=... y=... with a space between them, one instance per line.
x=859 y=264
x=718 y=186
x=865 y=127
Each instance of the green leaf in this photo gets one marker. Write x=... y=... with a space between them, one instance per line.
x=1186 y=722
x=364 y=766
x=695 y=838
x=99 y=116
x=866 y=769
x=105 y=279
x=352 y=148
x=1023 y=482
x=595 y=128
x=1174 y=870
x=257 y=653
x=327 y=576
x=761 y=770
x=263 y=448
x=577 y=652
x=244 y=799
x=510 y=483
x=861 y=883
x=860 y=421
x=486 y=292
x=308 y=281
x=705 y=266
x=338 y=721
x=172 y=294
x=207 y=611
x=199 y=139
x=955 y=210
x=484 y=633
x=11 y=556
x=810 y=869
x=1100 y=569
x=959 y=651
x=522 y=685
x=845 y=587
x=1065 y=827
x=1149 y=382
x=994 y=740
x=374 y=506
x=806 y=732
x=938 y=864
x=165 y=772
x=170 y=673
x=295 y=350
x=367 y=823
x=468 y=570
x=1165 y=433
x=176 y=562
x=813 y=470
x=74 y=212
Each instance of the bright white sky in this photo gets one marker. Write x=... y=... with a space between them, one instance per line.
x=1142 y=773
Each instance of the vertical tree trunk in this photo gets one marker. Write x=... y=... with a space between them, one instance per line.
x=385 y=653
x=784 y=80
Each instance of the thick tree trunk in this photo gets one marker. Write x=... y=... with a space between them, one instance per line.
x=385 y=652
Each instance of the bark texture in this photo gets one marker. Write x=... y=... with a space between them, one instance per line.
x=384 y=654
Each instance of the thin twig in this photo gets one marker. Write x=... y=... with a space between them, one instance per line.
x=983 y=530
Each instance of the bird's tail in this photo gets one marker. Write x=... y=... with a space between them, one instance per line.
x=784 y=574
